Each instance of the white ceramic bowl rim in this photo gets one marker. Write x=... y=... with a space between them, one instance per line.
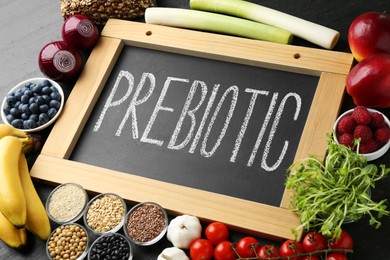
x=24 y=83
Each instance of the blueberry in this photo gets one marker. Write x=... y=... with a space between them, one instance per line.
x=52 y=112
x=17 y=104
x=37 y=89
x=47 y=98
x=46 y=82
x=29 y=124
x=24 y=99
x=43 y=118
x=10 y=118
x=46 y=90
x=25 y=116
x=7 y=109
x=34 y=117
x=25 y=109
x=55 y=96
x=28 y=93
x=10 y=99
x=40 y=100
x=55 y=104
x=32 y=100
x=17 y=123
x=15 y=112
x=34 y=108
x=43 y=108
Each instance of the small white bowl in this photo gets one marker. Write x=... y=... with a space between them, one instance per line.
x=24 y=84
x=107 y=214
x=378 y=153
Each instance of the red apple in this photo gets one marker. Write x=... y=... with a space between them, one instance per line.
x=368 y=34
x=60 y=61
x=369 y=81
x=80 y=31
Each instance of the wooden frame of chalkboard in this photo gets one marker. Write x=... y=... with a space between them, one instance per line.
x=53 y=164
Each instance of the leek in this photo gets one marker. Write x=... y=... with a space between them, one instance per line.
x=312 y=32
x=212 y=22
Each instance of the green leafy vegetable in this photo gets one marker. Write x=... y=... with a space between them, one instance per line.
x=328 y=192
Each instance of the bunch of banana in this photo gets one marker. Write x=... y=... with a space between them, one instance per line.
x=21 y=208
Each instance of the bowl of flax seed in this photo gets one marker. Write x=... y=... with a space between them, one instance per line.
x=105 y=213
x=66 y=203
x=146 y=223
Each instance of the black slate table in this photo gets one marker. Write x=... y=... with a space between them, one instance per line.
x=26 y=26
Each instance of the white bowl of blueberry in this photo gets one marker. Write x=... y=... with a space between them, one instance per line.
x=33 y=104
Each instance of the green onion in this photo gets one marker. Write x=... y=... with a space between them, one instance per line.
x=312 y=32
x=206 y=21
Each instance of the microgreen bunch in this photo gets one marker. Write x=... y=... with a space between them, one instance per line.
x=328 y=192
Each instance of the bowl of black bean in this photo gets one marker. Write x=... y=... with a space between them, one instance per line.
x=110 y=246
x=33 y=104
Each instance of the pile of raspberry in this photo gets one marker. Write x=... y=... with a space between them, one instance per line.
x=371 y=128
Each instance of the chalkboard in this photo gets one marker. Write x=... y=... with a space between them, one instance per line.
x=222 y=127
x=203 y=124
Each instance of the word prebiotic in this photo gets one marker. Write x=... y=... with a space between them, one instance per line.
x=201 y=113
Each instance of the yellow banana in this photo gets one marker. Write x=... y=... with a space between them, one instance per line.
x=6 y=130
x=22 y=235
x=30 y=142
x=37 y=221
x=10 y=235
x=12 y=199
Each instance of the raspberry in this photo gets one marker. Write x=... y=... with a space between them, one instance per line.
x=346 y=125
x=361 y=115
x=368 y=147
x=363 y=132
x=377 y=120
x=382 y=135
x=346 y=139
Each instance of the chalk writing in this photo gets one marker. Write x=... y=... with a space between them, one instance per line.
x=200 y=125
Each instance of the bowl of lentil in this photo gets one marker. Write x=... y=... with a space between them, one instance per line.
x=105 y=213
x=68 y=241
x=66 y=203
x=146 y=223
x=114 y=245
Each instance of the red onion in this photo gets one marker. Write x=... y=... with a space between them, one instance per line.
x=60 y=61
x=80 y=31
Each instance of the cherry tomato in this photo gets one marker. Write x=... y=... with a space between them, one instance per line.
x=201 y=249
x=344 y=242
x=224 y=251
x=291 y=248
x=268 y=251
x=311 y=257
x=247 y=247
x=336 y=256
x=217 y=232
x=314 y=241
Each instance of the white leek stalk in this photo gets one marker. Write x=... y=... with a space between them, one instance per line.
x=206 y=21
x=312 y=32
